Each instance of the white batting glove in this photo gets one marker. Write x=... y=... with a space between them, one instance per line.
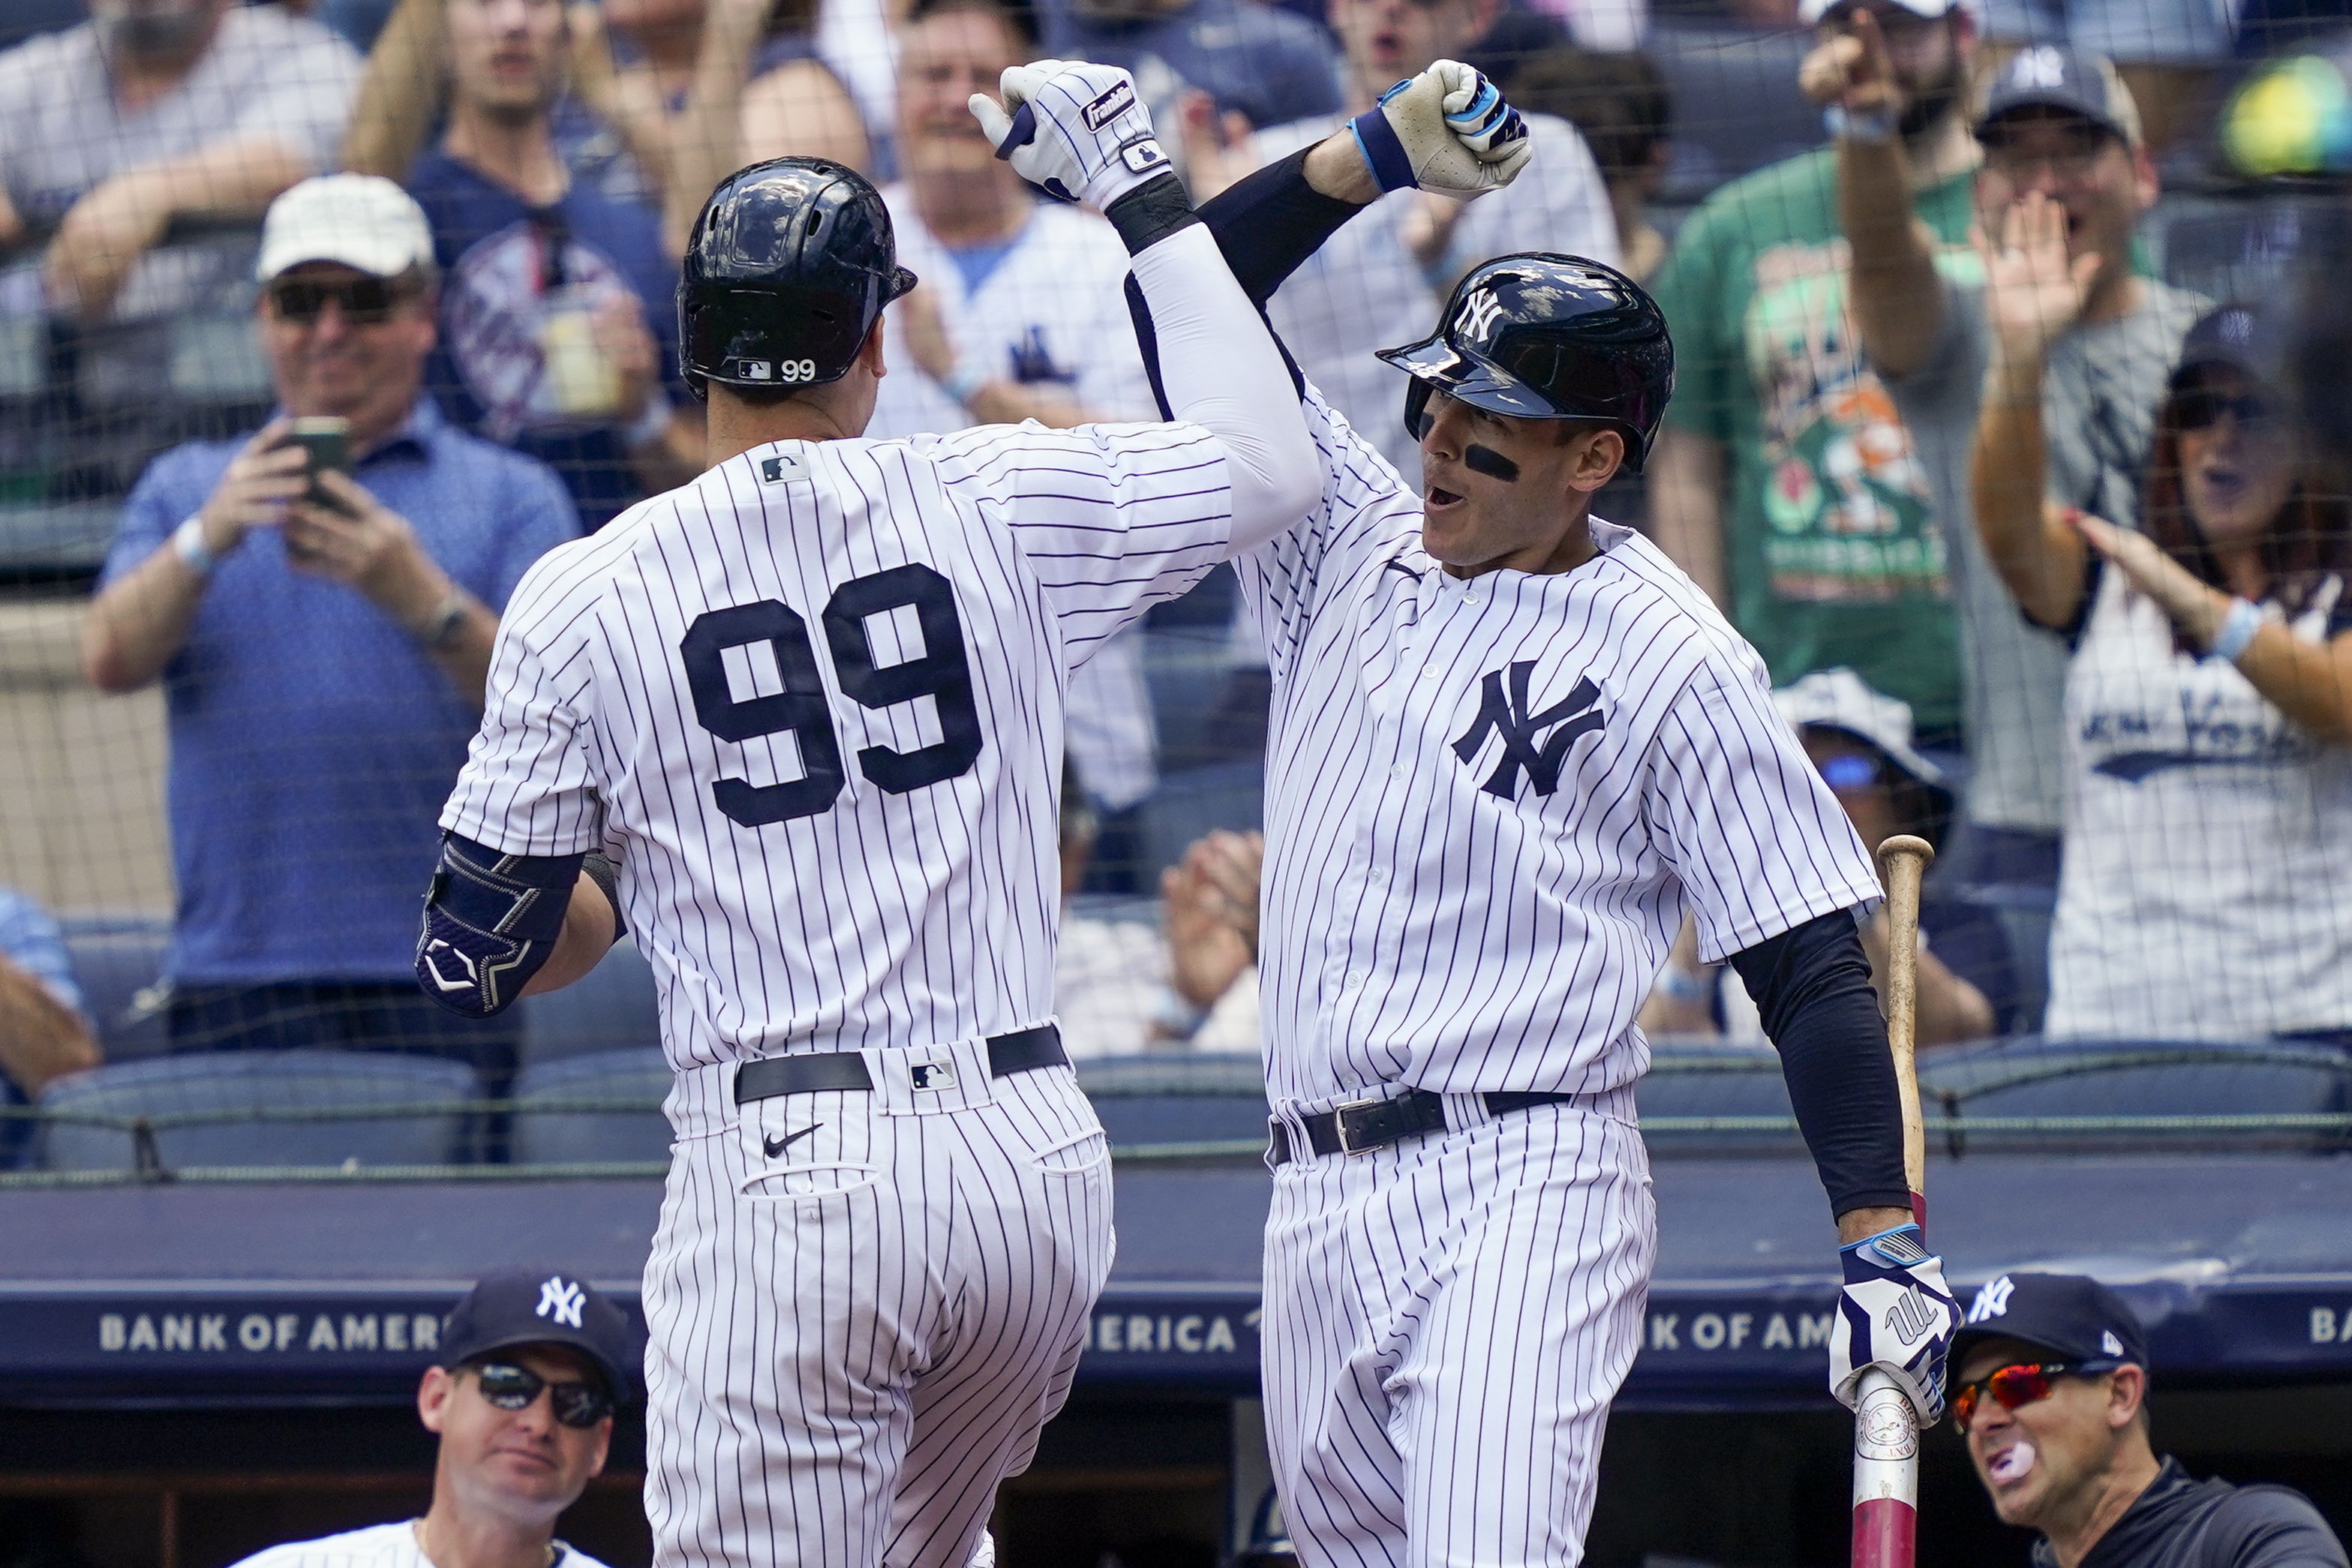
x=1895 y=1314
x=1447 y=130
x=1075 y=130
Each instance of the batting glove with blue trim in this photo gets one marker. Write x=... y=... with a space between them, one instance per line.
x=1447 y=130
x=1077 y=131
x=1895 y=1314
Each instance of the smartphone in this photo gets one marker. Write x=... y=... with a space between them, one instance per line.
x=326 y=440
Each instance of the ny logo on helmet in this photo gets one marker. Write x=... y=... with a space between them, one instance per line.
x=1479 y=313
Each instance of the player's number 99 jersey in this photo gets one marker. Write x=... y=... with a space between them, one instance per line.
x=814 y=701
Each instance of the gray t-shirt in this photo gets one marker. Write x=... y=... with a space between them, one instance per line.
x=267 y=74
x=2099 y=397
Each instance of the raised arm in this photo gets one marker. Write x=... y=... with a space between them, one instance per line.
x=400 y=92
x=1081 y=132
x=2033 y=294
x=1897 y=298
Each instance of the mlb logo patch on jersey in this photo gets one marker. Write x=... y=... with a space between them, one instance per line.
x=783 y=468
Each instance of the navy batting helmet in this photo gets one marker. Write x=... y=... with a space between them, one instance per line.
x=1539 y=336
x=787 y=269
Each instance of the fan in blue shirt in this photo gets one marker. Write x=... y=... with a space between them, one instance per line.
x=323 y=652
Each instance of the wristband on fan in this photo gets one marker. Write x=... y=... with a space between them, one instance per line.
x=1678 y=984
x=2238 y=629
x=1176 y=1018
x=1845 y=125
x=188 y=544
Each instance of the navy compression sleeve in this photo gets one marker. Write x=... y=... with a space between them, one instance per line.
x=1812 y=987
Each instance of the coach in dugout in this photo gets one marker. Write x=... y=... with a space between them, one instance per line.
x=2051 y=1393
x=532 y=1364
x=324 y=653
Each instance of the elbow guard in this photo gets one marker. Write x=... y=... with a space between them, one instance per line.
x=490 y=922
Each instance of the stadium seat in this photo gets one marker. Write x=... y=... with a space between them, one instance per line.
x=235 y=1085
x=1703 y=1078
x=2030 y=1076
x=1193 y=1098
x=119 y=963
x=615 y=1006
x=540 y=1134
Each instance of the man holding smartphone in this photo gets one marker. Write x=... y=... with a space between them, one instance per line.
x=324 y=636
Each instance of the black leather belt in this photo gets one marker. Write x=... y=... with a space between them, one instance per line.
x=1024 y=1050
x=1368 y=1125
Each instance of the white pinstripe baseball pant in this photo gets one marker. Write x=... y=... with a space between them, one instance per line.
x=1446 y=1321
x=863 y=1307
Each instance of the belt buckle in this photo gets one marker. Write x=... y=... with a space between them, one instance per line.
x=1340 y=1125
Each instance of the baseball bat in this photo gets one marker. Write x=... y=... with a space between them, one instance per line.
x=1885 y=1427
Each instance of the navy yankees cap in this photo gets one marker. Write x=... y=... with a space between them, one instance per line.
x=2050 y=75
x=2074 y=1314
x=2253 y=339
x=515 y=1307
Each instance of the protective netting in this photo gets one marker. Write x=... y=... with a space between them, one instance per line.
x=1906 y=360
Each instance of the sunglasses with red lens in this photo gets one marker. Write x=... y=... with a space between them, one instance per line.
x=2009 y=1386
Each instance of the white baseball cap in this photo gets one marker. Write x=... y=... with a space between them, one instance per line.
x=361 y=220
x=1841 y=699
x=1810 y=12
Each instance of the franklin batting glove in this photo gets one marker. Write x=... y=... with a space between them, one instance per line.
x=1895 y=1314
x=1077 y=131
x=1447 y=130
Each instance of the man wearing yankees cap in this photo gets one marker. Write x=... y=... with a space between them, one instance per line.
x=2052 y=1397
x=532 y=1363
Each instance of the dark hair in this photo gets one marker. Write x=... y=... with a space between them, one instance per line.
x=2310 y=538
x=1619 y=101
x=1019 y=17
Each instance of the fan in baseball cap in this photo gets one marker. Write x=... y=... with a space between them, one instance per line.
x=359 y=220
x=517 y=1307
x=2049 y=75
x=1810 y=12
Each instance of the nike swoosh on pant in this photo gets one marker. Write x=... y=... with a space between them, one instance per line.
x=776 y=1146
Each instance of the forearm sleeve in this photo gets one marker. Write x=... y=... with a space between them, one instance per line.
x=1268 y=223
x=1811 y=987
x=1215 y=361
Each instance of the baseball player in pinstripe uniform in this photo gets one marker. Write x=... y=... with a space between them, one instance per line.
x=811 y=705
x=1510 y=746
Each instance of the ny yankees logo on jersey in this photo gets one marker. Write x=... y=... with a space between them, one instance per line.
x=1575 y=713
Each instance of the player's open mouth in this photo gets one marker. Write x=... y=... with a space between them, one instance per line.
x=1437 y=499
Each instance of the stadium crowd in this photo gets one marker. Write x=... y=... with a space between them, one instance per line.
x=2032 y=539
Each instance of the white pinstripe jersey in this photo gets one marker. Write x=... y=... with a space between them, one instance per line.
x=377 y=1546
x=1489 y=801
x=813 y=702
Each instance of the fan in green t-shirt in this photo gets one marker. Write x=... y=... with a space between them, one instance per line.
x=1785 y=481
